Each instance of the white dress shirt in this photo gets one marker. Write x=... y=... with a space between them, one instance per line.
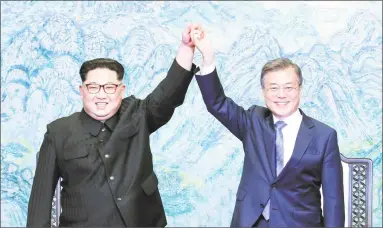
x=290 y=133
x=204 y=70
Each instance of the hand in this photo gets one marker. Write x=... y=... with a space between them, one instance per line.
x=186 y=35
x=203 y=44
x=185 y=52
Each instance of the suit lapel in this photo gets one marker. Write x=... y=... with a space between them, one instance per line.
x=304 y=137
x=269 y=139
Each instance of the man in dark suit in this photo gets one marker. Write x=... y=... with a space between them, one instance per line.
x=288 y=155
x=103 y=152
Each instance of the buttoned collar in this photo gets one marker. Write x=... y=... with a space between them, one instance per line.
x=94 y=126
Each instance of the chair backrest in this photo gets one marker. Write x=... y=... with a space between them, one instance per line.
x=357 y=174
x=357 y=183
x=56 y=206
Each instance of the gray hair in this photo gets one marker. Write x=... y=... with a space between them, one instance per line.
x=280 y=64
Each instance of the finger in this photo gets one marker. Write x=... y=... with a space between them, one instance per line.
x=195 y=26
x=186 y=30
x=195 y=36
x=191 y=26
x=202 y=33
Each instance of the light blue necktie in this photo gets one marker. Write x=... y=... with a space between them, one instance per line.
x=279 y=158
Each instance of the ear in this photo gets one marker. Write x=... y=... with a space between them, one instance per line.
x=81 y=88
x=264 y=92
x=123 y=88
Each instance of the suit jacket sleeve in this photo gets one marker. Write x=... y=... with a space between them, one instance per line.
x=332 y=184
x=231 y=115
x=168 y=95
x=44 y=185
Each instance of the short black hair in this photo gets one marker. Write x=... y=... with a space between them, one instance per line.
x=110 y=64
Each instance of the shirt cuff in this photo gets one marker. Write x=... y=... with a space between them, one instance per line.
x=205 y=70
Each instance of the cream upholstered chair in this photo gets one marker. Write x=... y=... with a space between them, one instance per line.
x=56 y=206
x=357 y=183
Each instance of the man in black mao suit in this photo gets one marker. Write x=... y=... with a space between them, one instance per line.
x=103 y=152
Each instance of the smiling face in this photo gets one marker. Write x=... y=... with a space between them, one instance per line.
x=282 y=92
x=101 y=105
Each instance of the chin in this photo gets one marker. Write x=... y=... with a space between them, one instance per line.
x=104 y=114
x=281 y=114
x=100 y=115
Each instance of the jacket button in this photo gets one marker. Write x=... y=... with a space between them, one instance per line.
x=273 y=185
x=262 y=206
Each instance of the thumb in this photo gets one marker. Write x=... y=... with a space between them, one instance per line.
x=195 y=36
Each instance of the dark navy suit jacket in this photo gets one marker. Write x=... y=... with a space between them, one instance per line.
x=295 y=192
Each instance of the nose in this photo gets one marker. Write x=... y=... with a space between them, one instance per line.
x=101 y=94
x=281 y=93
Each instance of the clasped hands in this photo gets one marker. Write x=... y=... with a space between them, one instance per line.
x=195 y=36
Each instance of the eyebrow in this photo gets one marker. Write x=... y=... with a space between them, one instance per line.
x=283 y=84
x=103 y=84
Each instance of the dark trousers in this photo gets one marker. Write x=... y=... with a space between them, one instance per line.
x=261 y=222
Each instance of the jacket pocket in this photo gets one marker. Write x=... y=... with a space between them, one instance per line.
x=78 y=151
x=307 y=218
x=312 y=152
x=72 y=207
x=150 y=184
x=128 y=131
x=131 y=128
x=241 y=193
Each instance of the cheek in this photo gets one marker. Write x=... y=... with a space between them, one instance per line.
x=269 y=99
x=114 y=99
x=87 y=98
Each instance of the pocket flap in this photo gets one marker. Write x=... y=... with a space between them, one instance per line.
x=132 y=126
x=150 y=184
x=128 y=131
x=307 y=218
x=241 y=194
x=76 y=152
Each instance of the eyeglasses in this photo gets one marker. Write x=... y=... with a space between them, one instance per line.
x=287 y=89
x=108 y=88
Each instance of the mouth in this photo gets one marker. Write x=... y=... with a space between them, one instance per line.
x=281 y=103
x=101 y=105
